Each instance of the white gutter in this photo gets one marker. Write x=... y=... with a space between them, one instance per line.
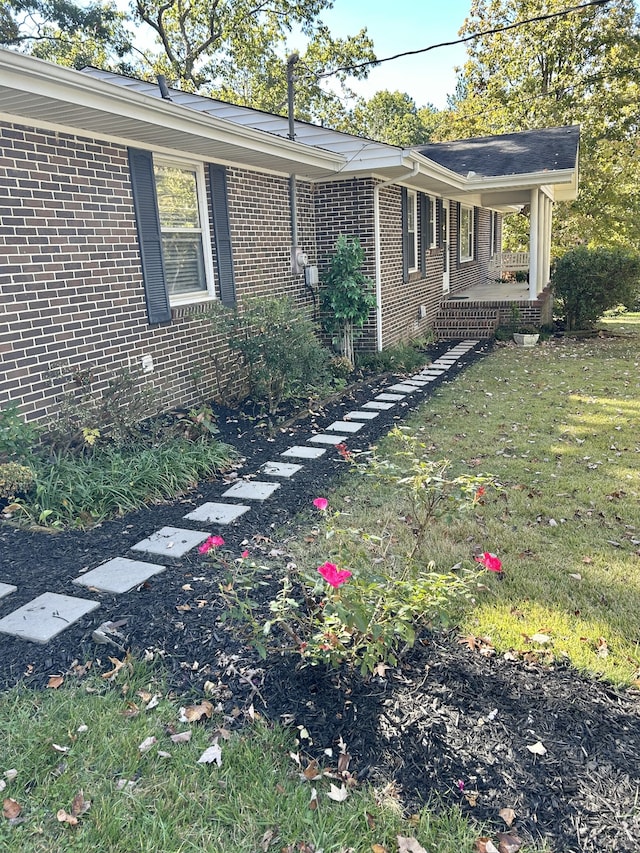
x=376 y=237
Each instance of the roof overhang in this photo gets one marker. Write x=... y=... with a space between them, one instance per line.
x=40 y=93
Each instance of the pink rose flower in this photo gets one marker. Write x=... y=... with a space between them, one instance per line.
x=211 y=542
x=334 y=576
x=320 y=503
x=489 y=561
x=244 y=554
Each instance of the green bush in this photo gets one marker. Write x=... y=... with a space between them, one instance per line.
x=588 y=282
x=347 y=295
x=405 y=357
x=17 y=438
x=276 y=342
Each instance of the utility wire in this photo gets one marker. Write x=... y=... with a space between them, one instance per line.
x=491 y=32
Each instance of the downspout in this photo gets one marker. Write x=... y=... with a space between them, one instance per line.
x=378 y=257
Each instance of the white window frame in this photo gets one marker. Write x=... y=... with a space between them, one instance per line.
x=412 y=213
x=432 y=227
x=466 y=241
x=203 y=212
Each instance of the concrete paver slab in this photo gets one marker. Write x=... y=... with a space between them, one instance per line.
x=362 y=416
x=406 y=389
x=325 y=438
x=388 y=397
x=7 y=589
x=345 y=426
x=302 y=452
x=281 y=469
x=381 y=407
x=46 y=616
x=251 y=490
x=217 y=513
x=119 y=575
x=171 y=542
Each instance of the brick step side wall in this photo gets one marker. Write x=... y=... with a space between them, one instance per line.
x=466 y=321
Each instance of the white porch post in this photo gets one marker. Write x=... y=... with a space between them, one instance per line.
x=542 y=233
x=534 y=243
x=547 y=265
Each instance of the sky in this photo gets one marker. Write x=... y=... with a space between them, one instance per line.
x=406 y=25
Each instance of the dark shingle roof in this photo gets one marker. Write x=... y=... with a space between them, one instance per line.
x=550 y=149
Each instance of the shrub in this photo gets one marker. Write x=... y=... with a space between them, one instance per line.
x=277 y=343
x=17 y=438
x=405 y=357
x=14 y=479
x=587 y=282
x=347 y=295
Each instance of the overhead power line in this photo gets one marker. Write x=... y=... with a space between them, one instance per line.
x=569 y=10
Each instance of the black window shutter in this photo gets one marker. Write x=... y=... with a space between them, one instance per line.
x=145 y=205
x=222 y=234
x=405 y=235
x=438 y=215
x=424 y=232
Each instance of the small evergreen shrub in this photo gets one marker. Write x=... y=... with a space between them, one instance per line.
x=588 y=282
x=17 y=437
x=14 y=479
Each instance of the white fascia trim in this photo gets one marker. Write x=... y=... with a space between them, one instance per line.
x=21 y=72
x=528 y=180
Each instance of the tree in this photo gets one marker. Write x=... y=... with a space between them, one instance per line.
x=581 y=67
x=392 y=117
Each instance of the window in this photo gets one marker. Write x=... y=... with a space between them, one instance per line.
x=172 y=221
x=183 y=216
x=466 y=233
x=412 y=230
x=432 y=237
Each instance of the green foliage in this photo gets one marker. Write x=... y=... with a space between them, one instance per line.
x=392 y=117
x=367 y=614
x=346 y=295
x=17 y=437
x=404 y=357
x=588 y=282
x=81 y=490
x=578 y=68
x=14 y=479
x=275 y=341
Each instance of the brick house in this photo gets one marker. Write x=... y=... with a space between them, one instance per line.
x=128 y=209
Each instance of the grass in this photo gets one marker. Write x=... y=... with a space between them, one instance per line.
x=149 y=803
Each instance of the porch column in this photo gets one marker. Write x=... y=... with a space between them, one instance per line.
x=542 y=235
x=534 y=242
x=547 y=265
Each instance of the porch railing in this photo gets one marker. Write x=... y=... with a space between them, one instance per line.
x=508 y=262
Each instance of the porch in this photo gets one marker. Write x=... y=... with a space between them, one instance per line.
x=478 y=311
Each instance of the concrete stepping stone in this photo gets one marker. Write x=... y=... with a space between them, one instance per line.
x=325 y=438
x=281 y=469
x=217 y=513
x=171 y=542
x=419 y=383
x=251 y=490
x=7 y=589
x=301 y=452
x=345 y=426
x=362 y=416
x=389 y=397
x=46 y=616
x=381 y=407
x=401 y=386
x=119 y=575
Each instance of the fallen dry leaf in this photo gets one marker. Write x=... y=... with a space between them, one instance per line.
x=55 y=681
x=338 y=795
x=409 y=845
x=3 y=784
x=10 y=775
x=269 y=838
x=11 y=808
x=507 y=815
x=117 y=666
x=146 y=744
x=59 y=748
x=378 y=848
x=79 y=805
x=471 y=797
x=181 y=737
x=211 y=755
x=540 y=638
x=537 y=748
x=194 y=713
x=313 y=801
x=312 y=771
x=486 y=845
x=65 y=817
x=508 y=843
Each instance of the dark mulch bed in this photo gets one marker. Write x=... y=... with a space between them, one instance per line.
x=448 y=713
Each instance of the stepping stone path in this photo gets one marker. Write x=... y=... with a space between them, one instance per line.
x=47 y=615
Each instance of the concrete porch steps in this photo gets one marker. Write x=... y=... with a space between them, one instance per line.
x=461 y=320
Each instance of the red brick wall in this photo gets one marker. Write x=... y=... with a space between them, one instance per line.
x=71 y=291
